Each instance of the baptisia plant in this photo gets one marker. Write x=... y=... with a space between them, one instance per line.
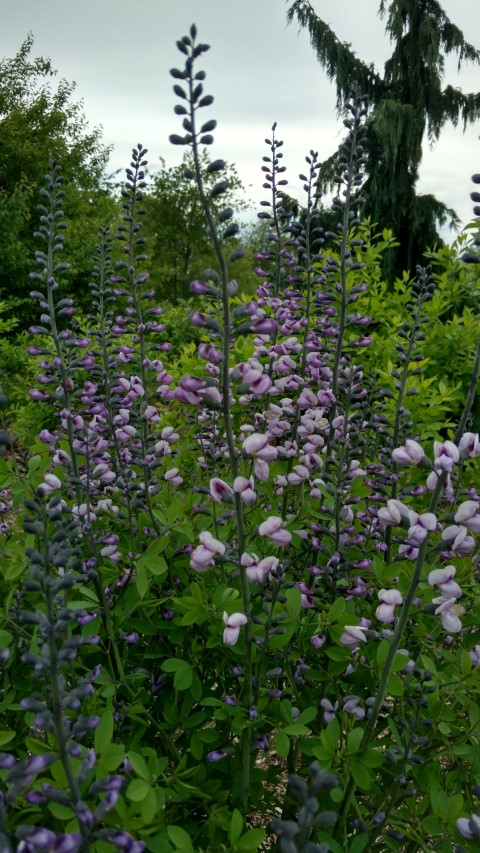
x=257 y=555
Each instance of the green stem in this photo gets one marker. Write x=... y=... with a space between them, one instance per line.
x=394 y=645
x=232 y=456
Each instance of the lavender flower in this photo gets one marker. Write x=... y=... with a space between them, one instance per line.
x=273 y=529
x=203 y=557
x=233 y=623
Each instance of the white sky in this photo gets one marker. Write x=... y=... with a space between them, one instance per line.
x=259 y=69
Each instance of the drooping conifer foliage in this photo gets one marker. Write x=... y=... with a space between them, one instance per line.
x=410 y=103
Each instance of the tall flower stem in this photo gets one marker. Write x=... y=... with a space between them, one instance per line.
x=388 y=665
x=56 y=698
x=401 y=387
x=227 y=417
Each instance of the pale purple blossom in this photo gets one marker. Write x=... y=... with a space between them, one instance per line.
x=204 y=555
x=261 y=469
x=420 y=526
x=457 y=538
x=469 y=827
x=219 y=490
x=256 y=569
x=352 y=636
x=411 y=454
x=328 y=710
x=469 y=445
x=245 y=488
x=475 y=655
x=446 y=455
x=172 y=477
x=51 y=484
x=351 y=705
x=299 y=475
x=449 y=612
x=443 y=579
x=233 y=623
x=389 y=599
x=393 y=513
x=468 y=515
x=273 y=529
x=257 y=445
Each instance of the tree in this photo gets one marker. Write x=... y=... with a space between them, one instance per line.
x=38 y=121
x=179 y=247
x=407 y=102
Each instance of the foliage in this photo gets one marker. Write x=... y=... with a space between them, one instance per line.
x=175 y=226
x=37 y=121
x=408 y=103
x=451 y=334
x=250 y=563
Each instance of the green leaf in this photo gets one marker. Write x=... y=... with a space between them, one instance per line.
x=150 y=559
x=455 y=807
x=431 y=825
x=138 y=790
x=354 y=739
x=236 y=826
x=340 y=655
x=141 y=581
x=104 y=732
x=336 y=610
x=180 y=838
x=331 y=735
x=250 y=842
x=149 y=807
x=196 y=748
x=372 y=758
x=382 y=653
x=282 y=744
x=34 y=464
x=112 y=756
x=5 y=639
x=358 y=844
x=296 y=730
x=183 y=678
x=308 y=715
x=61 y=812
x=183 y=672
x=395 y=685
x=333 y=845
x=465 y=662
x=139 y=765
x=173 y=665
x=361 y=775
x=6 y=736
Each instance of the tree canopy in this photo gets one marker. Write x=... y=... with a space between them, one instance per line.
x=179 y=246
x=407 y=103
x=39 y=120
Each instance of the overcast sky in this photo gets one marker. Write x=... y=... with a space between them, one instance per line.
x=259 y=69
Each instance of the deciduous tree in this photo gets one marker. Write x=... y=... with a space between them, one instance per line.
x=409 y=103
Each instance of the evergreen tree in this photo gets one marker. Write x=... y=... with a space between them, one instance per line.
x=407 y=103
